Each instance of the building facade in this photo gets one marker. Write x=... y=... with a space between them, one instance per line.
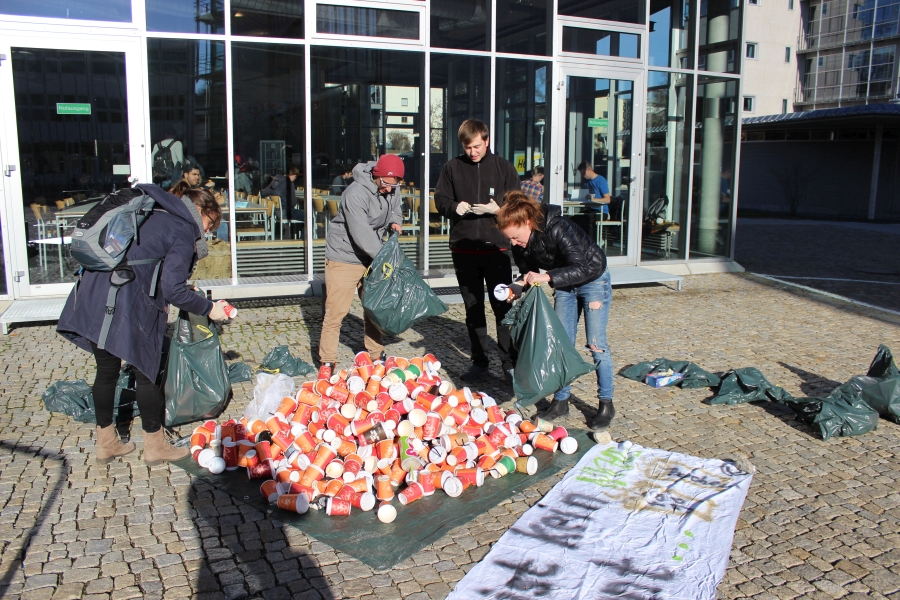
x=770 y=56
x=848 y=53
x=95 y=92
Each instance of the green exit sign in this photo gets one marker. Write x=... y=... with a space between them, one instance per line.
x=598 y=122
x=72 y=109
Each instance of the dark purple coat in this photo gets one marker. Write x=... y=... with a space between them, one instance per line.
x=139 y=324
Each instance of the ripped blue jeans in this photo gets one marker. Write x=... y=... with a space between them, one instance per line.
x=569 y=305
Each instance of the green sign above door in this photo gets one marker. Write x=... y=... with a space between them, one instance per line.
x=63 y=108
x=598 y=122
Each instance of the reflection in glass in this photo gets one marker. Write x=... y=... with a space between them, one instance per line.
x=186 y=16
x=523 y=111
x=524 y=27
x=460 y=90
x=608 y=10
x=375 y=22
x=464 y=24
x=720 y=30
x=668 y=162
x=91 y=10
x=72 y=117
x=599 y=117
x=3 y=290
x=272 y=18
x=714 y=154
x=366 y=103
x=187 y=101
x=671 y=34
x=603 y=43
x=269 y=134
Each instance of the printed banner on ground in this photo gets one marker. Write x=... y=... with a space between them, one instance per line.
x=626 y=522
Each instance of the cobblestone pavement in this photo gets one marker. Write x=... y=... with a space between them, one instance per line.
x=821 y=520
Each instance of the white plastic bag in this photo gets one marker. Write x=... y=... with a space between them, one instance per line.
x=267 y=395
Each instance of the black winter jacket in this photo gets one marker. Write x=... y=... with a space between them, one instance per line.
x=461 y=180
x=562 y=249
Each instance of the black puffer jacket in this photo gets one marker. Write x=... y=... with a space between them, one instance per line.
x=461 y=180
x=562 y=249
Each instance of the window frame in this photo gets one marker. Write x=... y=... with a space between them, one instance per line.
x=755 y=46
x=752 y=108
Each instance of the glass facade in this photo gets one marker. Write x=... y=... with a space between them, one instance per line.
x=275 y=125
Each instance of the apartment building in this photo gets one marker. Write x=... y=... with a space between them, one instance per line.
x=771 y=32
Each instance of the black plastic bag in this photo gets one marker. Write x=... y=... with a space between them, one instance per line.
x=883 y=394
x=747 y=385
x=280 y=360
x=394 y=295
x=547 y=361
x=76 y=399
x=239 y=371
x=842 y=413
x=694 y=376
x=196 y=378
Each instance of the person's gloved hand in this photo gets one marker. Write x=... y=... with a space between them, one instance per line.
x=462 y=208
x=217 y=312
x=486 y=209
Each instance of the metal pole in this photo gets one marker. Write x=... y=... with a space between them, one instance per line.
x=876 y=164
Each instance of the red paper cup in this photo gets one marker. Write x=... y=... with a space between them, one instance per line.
x=298 y=503
x=559 y=433
x=413 y=492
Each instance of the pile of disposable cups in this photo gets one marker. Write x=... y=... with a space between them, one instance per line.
x=364 y=437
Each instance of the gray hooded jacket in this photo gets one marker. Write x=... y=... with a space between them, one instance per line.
x=355 y=234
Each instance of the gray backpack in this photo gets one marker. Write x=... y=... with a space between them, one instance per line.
x=102 y=237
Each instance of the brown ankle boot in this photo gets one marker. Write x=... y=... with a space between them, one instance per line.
x=157 y=448
x=109 y=444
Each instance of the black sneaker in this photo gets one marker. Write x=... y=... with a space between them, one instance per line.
x=558 y=409
x=474 y=372
x=605 y=413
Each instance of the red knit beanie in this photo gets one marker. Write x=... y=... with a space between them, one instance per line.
x=389 y=165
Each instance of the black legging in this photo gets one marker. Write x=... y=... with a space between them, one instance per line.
x=150 y=398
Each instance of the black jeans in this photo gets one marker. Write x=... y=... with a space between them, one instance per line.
x=150 y=398
x=473 y=272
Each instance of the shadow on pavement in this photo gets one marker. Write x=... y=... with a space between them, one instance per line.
x=812 y=385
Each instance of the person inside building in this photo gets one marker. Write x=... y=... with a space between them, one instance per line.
x=533 y=186
x=167 y=159
x=342 y=180
x=242 y=181
x=574 y=266
x=596 y=183
x=369 y=207
x=174 y=235
x=469 y=192
x=284 y=186
x=193 y=175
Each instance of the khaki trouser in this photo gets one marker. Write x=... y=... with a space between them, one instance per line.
x=342 y=280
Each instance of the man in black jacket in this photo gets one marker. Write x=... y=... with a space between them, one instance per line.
x=467 y=192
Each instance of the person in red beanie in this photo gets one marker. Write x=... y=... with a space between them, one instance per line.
x=369 y=207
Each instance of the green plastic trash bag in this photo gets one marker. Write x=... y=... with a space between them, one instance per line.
x=883 y=394
x=694 y=376
x=76 y=399
x=394 y=295
x=547 y=361
x=842 y=413
x=747 y=385
x=239 y=371
x=280 y=360
x=73 y=398
x=196 y=379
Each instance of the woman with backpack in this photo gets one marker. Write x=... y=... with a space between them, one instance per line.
x=153 y=276
x=575 y=267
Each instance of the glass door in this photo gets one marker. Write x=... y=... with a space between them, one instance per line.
x=75 y=131
x=601 y=145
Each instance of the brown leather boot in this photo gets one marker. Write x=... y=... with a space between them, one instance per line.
x=109 y=444
x=157 y=448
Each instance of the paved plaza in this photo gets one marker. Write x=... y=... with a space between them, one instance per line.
x=822 y=519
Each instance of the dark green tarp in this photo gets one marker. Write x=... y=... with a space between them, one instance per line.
x=394 y=294
x=196 y=378
x=380 y=545
x=694 y=376
x=280 y=360
x=842 y=413
x=239 y=371
x=547 y=361
x=747 y=385
x=76 y=399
